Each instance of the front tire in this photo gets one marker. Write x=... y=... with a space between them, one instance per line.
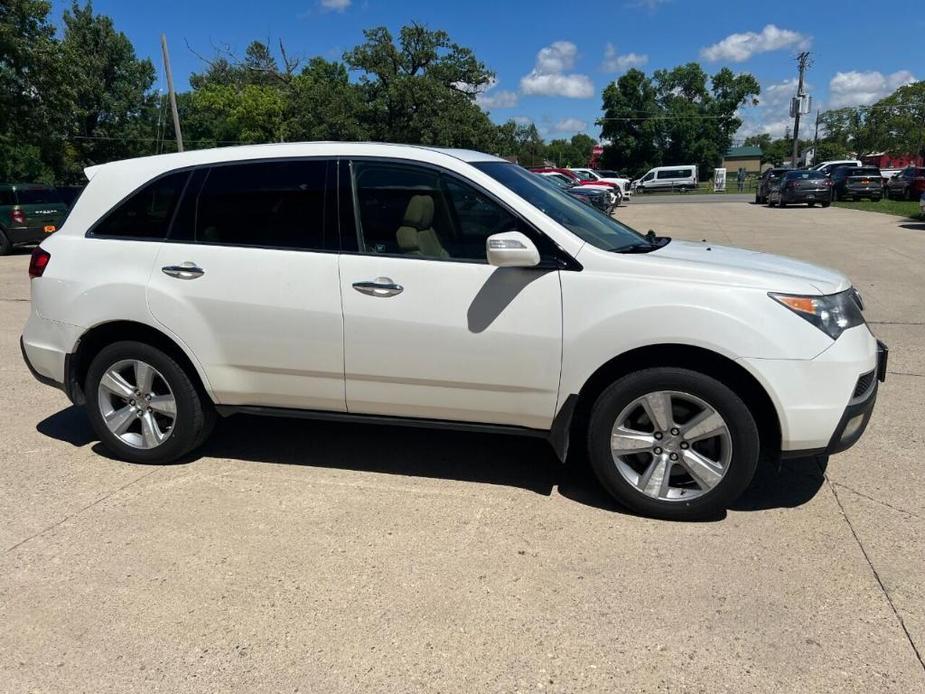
x=672 y=443
x=144 y=406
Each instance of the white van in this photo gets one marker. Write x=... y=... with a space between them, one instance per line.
x=679 y=177
x=828 y=167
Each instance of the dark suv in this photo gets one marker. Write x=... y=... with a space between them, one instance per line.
x=856 y=182
x=28 y=213
x=765 y=182
x=799 y=186
x=908 y=184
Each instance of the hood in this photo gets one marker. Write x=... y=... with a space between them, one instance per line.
x=742 y=266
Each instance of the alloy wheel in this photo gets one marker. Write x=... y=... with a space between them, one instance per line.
x=137 y=404
x=671 y=446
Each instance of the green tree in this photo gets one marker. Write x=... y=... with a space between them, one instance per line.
x=30 y=73
x=676 y=116
x=421 y=89
x=110 y=107
x=895 y=124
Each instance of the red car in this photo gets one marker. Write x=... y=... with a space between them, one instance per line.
x=574 y=177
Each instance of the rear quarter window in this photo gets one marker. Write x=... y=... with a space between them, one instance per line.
x=146 y=213
x=38 y=196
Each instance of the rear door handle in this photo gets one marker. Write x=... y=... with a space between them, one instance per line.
x=184 y=271
x=381 y=287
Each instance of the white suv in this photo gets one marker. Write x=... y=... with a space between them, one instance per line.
x=440 y=288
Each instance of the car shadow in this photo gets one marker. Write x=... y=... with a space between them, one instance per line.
x=920 y=226
x=513 y=461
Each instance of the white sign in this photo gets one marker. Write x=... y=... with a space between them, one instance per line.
x=719 y=180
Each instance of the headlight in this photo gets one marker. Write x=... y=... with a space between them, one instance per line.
x=832 y=314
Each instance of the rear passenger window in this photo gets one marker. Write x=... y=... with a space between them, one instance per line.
x=147 y=213
x=6 y=197
x=277 y=204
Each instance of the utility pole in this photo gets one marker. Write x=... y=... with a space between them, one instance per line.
x=803 y=60
x=173 y=95
x=816 y=137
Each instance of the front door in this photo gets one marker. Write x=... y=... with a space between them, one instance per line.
x=249 y=281
x=430 y=329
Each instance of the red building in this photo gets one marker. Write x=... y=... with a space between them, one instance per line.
x=884 y=160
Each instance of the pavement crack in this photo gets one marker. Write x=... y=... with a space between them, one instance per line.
x=873 y=569
x=894 y=322
x=905 y=373
x=875 y=500
x=22 y=300
x=79 y=511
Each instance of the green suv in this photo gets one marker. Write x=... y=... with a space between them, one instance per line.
x=28 y=213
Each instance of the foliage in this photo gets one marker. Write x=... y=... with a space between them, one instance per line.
x=676 y=116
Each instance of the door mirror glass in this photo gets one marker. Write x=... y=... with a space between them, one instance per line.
x=511 y=249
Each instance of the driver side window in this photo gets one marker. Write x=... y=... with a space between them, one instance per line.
x=417 y=212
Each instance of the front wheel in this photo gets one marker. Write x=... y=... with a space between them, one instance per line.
x=143 y=405
x=672 y=443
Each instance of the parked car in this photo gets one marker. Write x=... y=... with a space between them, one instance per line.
x=613 y=196
x=589 y=175
x=764 y=183
x=602 y=199
x=856 y=182
x=922 y=204
x=69 y=194
x=800 y=186
x=449 y=289
x=28 y=213
x=909 y=184
x=682 y=177
x=827 y=167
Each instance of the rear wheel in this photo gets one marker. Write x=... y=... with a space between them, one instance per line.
x=672 y=443
x=826 y=204
x=5 y=245
x=143 y=406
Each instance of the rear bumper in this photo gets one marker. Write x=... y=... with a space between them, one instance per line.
x=46 y=347
x=823 y=195
x=24 y=235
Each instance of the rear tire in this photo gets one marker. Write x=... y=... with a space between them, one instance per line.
x=5 y=246
x=689 y=394
x=157 y=437
x=826 y=204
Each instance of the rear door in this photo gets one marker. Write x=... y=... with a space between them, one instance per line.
x=248 y=280
x=42 y=208
x=431 y=330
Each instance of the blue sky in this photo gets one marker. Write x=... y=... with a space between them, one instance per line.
x=553 y=59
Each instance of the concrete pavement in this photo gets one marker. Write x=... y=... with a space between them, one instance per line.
x=329 y=557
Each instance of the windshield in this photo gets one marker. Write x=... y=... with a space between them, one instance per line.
x=585 y=222
x=38 y=196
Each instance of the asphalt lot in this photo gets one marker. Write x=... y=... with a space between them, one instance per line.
x=301 y=556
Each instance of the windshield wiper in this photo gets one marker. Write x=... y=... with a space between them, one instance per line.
x=634 y=248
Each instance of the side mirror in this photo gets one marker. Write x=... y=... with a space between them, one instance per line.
x=511 y=249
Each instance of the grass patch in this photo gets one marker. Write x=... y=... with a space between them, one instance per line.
x=900 y=208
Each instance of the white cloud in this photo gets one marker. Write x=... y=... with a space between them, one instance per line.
x=569 y=125
x=651 y=5
x=488 y=98
x=335 y=5
x=863 y=88
x=548 y=76
x=522 y=120
x=772 y=114
x=740 y=47
x=621 y=63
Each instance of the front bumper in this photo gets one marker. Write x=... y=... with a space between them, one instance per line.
x=856 y=417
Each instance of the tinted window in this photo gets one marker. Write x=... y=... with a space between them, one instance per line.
x=863 y=172
x=805 y=175
x=147 y=213
x=6 y=197
x=475 y=217
x=38 y=196
x=271 y=204
x=406 y=210
x=582 y=220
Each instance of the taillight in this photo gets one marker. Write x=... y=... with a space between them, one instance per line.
x=38 y=263
x=18 y=217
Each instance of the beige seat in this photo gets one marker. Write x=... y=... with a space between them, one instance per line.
x=416 y=235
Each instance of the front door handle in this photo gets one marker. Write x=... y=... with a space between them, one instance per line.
x=184 y=271
x=381 y=287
